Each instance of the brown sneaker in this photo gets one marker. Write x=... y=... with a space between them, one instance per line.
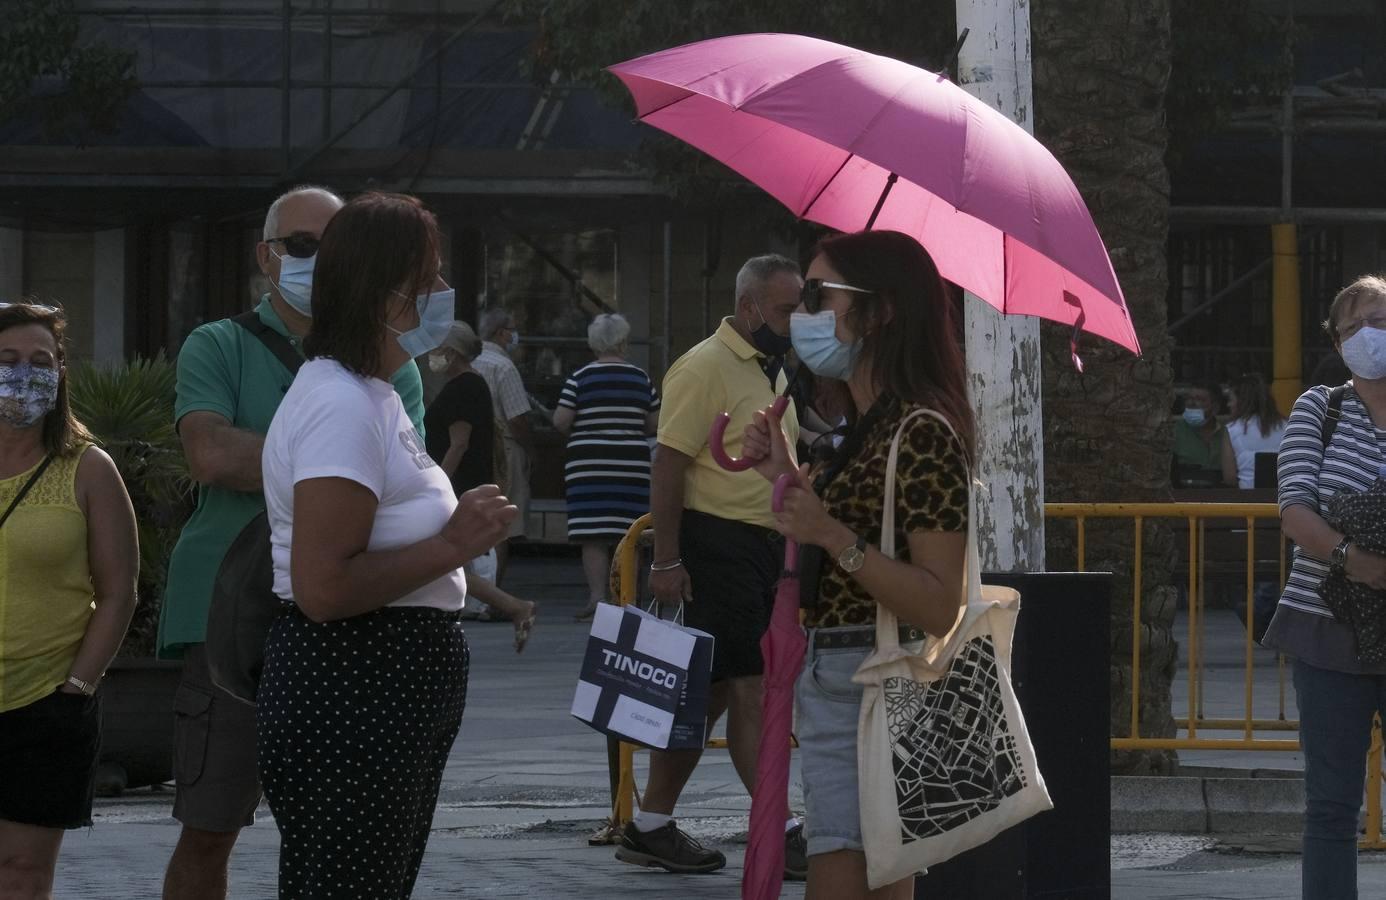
x=795 y=854
x=667 y=848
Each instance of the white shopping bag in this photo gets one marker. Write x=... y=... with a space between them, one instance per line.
x=645 y=679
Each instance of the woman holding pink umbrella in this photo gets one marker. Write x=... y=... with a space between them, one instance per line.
x=876 y=317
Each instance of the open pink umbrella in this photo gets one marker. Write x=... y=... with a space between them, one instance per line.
x=853 y=140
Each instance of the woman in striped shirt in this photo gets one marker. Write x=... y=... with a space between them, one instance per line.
x=1337 y=693
x=608 y=409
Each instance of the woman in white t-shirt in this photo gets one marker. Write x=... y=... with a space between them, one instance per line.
x=1256 y=427
x=366 y=666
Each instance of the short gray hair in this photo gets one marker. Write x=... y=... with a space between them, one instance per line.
x=495 y=319
x=272 y=216
x=462 y=339
x=607 y=332
x=757 y=270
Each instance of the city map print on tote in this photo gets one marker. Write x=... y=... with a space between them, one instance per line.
x=954 y=757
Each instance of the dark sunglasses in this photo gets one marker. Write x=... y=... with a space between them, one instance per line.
x=811 y=294
x=297 y=244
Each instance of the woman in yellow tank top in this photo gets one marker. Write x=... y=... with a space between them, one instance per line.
x=68 y=562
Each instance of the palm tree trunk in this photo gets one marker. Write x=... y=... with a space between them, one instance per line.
x=1101 y=70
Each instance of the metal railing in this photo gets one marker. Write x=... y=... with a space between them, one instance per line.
x=1197 y=516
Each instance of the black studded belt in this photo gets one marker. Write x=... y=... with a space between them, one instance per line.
x=846 y=638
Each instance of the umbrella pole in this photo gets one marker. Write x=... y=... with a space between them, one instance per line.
x=880 y=201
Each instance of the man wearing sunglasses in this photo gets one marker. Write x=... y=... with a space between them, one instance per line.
x=230 y=382
x=715 y=552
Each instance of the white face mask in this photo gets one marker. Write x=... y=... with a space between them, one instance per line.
x=438 y=362
x=1365 y=353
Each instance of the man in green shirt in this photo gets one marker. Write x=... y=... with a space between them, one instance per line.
x=1198 y=441
x=229 y=386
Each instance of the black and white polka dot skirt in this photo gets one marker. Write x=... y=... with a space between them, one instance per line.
x=355 y=721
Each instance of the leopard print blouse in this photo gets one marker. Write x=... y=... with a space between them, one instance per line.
x=930 y=495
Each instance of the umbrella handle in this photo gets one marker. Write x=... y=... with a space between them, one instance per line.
x=717 y=436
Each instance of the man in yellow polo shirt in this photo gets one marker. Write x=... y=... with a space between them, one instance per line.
x=714 y=548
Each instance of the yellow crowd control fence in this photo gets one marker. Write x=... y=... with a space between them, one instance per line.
x=1212 y=529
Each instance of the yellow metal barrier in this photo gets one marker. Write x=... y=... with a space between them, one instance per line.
x=622 y=807
x=1197 y=516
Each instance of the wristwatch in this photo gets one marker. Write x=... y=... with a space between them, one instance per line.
x=86 y=687
x=1338 y=558
x=854 y=557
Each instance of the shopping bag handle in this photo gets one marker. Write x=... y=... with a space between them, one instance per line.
x=678 y=613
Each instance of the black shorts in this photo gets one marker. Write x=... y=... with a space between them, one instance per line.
x=733 y=567
x=48 y=752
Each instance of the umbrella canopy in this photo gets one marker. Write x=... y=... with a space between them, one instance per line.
x=853 y=140
x=782 y=648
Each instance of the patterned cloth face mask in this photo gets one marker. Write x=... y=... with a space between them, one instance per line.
x=27 y=393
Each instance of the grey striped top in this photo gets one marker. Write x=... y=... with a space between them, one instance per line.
x=1310 y=474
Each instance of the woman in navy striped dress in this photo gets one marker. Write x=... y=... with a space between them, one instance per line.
x=608 y=409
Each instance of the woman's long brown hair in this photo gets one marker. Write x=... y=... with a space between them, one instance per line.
x=909 y=325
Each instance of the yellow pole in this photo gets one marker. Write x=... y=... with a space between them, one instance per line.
x=1286 y=343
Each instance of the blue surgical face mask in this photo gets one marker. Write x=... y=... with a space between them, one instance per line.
x=435 y=318
x=814 y=336
x=1194 y=417
x=1365 y=353
x=296 y=282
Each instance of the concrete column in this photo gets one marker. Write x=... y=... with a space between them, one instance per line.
x=1003 y=353
x=108 y=296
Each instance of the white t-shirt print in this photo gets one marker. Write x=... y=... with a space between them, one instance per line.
x=334 y=423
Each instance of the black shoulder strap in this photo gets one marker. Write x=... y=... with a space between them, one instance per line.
x=33 y=479
x=275 y=342
x=1334 y=413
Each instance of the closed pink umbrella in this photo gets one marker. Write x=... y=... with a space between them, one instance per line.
x=782 y=648
x=854 y=140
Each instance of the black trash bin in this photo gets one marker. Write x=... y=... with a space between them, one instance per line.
x=1060 y=663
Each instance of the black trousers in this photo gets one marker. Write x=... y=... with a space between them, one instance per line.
x=355 y=720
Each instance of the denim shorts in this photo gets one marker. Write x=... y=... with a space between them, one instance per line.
x=828 y=706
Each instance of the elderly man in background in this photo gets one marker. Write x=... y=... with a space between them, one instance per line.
x=499 y=340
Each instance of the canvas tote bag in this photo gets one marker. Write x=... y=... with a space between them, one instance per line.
x=943 y=758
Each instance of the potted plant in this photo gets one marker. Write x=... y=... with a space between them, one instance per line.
x=129 y=409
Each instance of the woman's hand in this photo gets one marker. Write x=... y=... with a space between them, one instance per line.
x=803 y=518
x=482 y=520
x=1366 y=567
x=764 y=440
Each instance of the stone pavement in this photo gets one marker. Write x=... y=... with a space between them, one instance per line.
x=526 y=783
x=524 y=786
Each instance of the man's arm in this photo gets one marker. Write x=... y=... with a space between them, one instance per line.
x=220 y=454
x=667 y=478
x=520 y=431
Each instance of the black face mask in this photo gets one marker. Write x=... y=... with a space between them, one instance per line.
x=767 y=341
